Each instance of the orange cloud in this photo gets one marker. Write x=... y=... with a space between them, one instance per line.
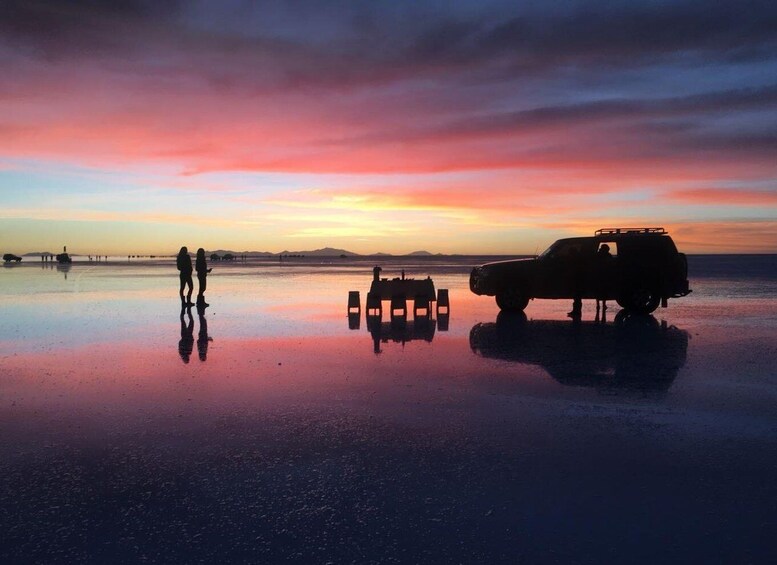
x=725 y=196
x=691 y=236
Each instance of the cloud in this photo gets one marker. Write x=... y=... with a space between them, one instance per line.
x=308 y=44
x=538 y=110
x=752 y=236
x=725 y=197
x=757 y=235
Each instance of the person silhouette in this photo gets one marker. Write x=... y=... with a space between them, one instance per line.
x=576 y=273
x=184 y=264
x=186 y=343
x=202 y=276
x=202 y=337
x=603 y=262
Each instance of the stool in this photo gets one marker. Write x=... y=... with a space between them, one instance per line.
x=354 y=301
x=442 y=301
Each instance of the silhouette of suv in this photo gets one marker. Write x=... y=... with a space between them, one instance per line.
x=639 y=268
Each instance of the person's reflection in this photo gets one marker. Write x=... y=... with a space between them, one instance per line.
x=202 y=338
x=186 y=344
x=601 y=308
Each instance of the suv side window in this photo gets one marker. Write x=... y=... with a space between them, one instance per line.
x=613 y=245
x=649 y=248
x=564 y=250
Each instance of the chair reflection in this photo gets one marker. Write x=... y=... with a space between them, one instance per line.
x=632 y=352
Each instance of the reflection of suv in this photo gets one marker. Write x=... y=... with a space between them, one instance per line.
x=641 y=270
x=631 y=353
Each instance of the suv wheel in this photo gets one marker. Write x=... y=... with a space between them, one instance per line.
x=640 y=300
x=511 y=300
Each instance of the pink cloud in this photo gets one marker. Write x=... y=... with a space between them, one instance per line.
x=725 y=196
x=105 y=116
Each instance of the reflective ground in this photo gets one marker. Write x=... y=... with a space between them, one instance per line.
x=273 y=428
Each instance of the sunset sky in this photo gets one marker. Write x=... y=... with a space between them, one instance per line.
x=385 y=126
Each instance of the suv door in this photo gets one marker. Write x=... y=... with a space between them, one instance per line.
x=565 y=268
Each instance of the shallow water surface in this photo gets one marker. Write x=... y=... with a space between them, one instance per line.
x=271 y=427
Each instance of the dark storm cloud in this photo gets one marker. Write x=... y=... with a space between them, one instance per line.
x=692 y=108
x=372 y=42
x=79 y=28
x=626 y=80
x=625 y=33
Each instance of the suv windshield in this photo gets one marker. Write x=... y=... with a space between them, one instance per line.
x=563 y=248
x=549 y=251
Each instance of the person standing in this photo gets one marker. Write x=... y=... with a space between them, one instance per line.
x=202 y=276
x=603 y=276
x=575 y=263
x=184 y=264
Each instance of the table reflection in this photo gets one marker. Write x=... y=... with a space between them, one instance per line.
x=637 y=353
x=400 y=330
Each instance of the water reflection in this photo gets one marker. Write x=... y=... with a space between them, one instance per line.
x=354 y=320
x=400 y=330
x=203 y=338
x=186 y=343
x=637 y=353
x=63 y=268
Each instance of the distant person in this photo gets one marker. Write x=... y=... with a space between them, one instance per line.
x=186 y=343
x=203 y=338
x=202 y=276
x=184 y=264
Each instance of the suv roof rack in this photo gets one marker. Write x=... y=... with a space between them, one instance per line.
x=630 y=231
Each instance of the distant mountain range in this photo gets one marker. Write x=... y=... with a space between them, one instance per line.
x=324 y=252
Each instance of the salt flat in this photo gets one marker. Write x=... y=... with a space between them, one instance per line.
x=296 y=435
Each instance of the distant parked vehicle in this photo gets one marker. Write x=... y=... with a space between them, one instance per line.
x=639 y=268
x=63 y=258
x=8 y=257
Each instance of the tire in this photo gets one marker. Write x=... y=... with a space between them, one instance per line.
x=511 y=300
x=640 y=299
